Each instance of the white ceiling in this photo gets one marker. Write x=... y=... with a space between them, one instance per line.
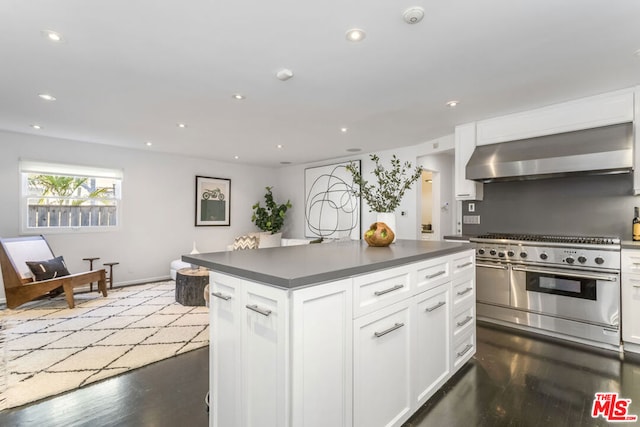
x=128 y=71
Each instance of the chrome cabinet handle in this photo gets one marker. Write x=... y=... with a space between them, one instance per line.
x=465 y=321
x=464 y=292
x=431 y=276
x=221 y=296
x=391 y=329
x=466 y=264
x=465 y=351
x=257 y=309
x=438 y=305
x=386 y=291
x=465 y=194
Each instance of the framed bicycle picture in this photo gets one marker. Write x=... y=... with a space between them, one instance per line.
x=213 y=201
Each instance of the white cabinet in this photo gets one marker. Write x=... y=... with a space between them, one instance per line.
x=248 y=338
x=433 y=342
x=404 y=351
x=264 y=355
x=465 y=143
x=631 y=299
x=321 y=361
x=225 y=391
x=382 y=366
x=267 y=342
x=366 y=351
x=585 y=113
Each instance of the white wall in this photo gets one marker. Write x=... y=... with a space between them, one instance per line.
x=158 y=204
x=291 y=185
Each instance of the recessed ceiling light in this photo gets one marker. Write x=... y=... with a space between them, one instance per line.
x=47 y=97
x=354 y=150
x=236 y=157
x=237 y=96
x=52 y=35
x=148 y=143
x=284 y=74
x=37 y=127
x=279 y=146
x=356 y=35
x=181 y=125
x=344 y=130
x=452 y=104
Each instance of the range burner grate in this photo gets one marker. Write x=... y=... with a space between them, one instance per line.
x=585 y=240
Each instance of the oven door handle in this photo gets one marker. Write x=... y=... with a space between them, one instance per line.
x=497 y=267
x=565 y=273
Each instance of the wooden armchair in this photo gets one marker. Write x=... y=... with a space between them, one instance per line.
x=20 y=285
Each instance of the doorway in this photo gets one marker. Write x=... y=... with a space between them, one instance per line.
x=436 y=207
x=426 y=223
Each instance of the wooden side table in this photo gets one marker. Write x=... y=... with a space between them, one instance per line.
x=91 y=269
x=190 y=284
x=110 y=277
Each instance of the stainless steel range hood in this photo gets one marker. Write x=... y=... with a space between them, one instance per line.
x=602 y=150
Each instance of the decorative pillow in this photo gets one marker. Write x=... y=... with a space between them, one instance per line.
x=50 y=269
x=245 y=242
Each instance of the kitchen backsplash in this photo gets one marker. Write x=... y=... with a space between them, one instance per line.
x=599 y=205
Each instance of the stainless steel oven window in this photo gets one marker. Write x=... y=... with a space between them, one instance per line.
x=559 y=285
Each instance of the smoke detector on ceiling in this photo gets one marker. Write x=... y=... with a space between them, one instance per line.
x=413 y=15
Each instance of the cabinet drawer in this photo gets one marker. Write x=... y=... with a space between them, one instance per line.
x=464 y=349
x=433 y=273
x=630 y=261
x=382 y=363
x=464 y=263
x=464 y=321
x=379 y=289
x=463 y=292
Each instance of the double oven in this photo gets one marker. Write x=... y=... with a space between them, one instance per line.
x=563 y=286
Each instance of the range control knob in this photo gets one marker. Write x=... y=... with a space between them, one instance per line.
x=523 y=254
x=501 y=254
x=492 y=252
x=582 y=259
x=570 y=260
x=544 y=256
x=511 y=253
x=481 y=251
x=599 y=260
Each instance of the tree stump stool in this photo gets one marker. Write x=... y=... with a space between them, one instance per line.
x=190 y=284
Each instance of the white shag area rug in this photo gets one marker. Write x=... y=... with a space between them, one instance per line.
x=50 y=349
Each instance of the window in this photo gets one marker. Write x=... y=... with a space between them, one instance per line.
x=66 y=197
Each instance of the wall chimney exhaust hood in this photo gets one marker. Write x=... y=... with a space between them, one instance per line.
x=603 y=150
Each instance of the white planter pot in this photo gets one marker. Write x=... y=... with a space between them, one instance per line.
x=388 y=218
x=268 y=240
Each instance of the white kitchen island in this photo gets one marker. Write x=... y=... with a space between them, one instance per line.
x=336 y=334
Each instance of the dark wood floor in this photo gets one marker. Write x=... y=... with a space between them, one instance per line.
x=514 y=380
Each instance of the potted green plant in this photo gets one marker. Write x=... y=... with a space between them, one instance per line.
x=270 y=218
x=385 y=194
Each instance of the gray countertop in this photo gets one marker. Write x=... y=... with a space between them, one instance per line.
x=629 y=244
x=291 y=267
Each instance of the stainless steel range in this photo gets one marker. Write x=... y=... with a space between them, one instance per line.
x=563 y=286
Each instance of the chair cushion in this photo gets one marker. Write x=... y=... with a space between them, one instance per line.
x=245 y=242
x=50 y=269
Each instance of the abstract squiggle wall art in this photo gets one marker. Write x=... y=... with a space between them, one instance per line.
x=331 y=208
